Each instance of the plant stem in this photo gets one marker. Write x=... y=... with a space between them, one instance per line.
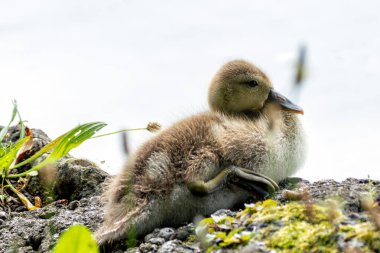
x=22 y=197
x=120 y=131
x=2 y=188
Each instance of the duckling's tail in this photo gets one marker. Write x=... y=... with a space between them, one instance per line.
x=124 y=214
x=123 y=225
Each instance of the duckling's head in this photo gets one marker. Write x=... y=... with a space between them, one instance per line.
x=241 y=87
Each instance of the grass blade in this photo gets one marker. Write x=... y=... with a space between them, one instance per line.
x=45 y=149
x=4 y=131
x=7 y=159
x=21 y=123
x=62 y=145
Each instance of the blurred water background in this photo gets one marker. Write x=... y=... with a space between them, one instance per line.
x=131 y=62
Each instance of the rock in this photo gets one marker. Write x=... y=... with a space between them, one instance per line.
x=166 y=233
x=175 y=246
x=151 y=235
x=157 y=241
x=73 y=205
x=254 y=248
x=71 y=179
x=3 y=215
x=148 y=247
x=148 y=237
x=132 y=250
x=184 y=232
x=41 y=228
x=78 y=178
x=224 y=212
x=27 y=249
x=47 y=212
x=21 y=209
x=350 y=190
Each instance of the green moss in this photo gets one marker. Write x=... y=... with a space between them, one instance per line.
x=191 y=239
x=301 y=236
x=293 y=227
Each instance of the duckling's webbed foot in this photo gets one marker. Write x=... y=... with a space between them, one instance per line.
x=257 y=183
x=244 y=178
x=202 y=188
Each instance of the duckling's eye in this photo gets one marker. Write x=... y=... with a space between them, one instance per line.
x=252 y=83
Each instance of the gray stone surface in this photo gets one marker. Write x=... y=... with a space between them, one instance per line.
x=77 y=179
x=38 y=231
x=75 y=194
x=3 y=215
x=175 y=246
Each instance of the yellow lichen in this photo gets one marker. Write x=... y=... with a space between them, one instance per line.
x=301 y=236
x=294 y=227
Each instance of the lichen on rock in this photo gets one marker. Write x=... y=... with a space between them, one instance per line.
x=291 y=227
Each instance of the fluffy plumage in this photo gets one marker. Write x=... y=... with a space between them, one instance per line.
x=244 y=129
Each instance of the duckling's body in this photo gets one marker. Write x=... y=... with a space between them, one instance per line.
x=156 y=187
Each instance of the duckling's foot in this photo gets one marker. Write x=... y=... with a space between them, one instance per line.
x=202 y=188
x=251 y=181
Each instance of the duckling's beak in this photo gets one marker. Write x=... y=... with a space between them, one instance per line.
x=285 y=103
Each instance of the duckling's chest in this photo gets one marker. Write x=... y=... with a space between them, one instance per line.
x=254 y=145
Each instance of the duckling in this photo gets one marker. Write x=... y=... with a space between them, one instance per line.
x=249 y=140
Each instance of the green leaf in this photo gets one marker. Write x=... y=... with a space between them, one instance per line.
x=221 y=235
x=246 y=237
x=207 y=221
x=212 y=248
x=77 y=239
x=61 y=146
x=10 y=154
x=21 y=123
x=228 y=241
x=231 y=239
x=45 y=149
x=234 y=232
x=4 y=131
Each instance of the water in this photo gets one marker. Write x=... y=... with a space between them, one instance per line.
x=131 y=62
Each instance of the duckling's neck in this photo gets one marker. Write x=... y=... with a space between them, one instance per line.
x=270 y=113
x=248 y=114
x=251 y=114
